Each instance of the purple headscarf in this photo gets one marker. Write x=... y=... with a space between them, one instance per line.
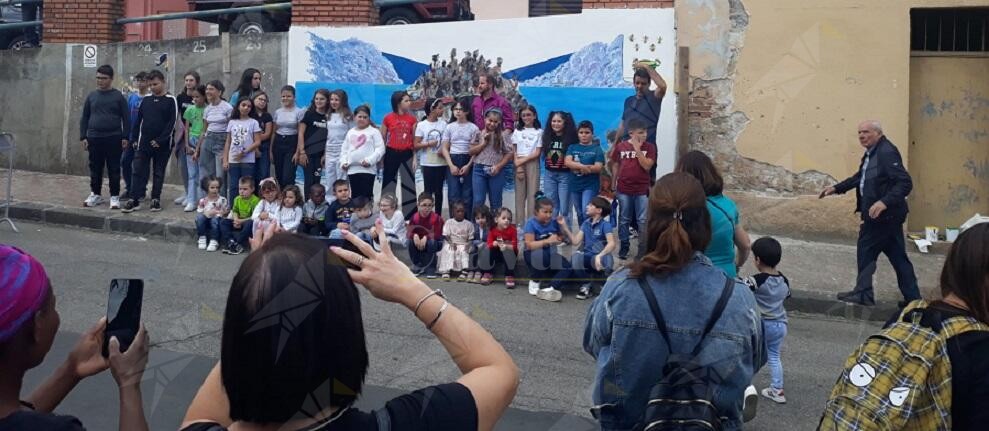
x=23 y=285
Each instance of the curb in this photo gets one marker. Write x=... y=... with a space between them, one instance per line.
x=181 y=230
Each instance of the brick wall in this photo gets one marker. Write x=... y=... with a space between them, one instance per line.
x=623 y=4
x=83 y=21
x=334 y=12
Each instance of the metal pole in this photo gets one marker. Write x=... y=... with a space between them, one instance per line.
x=205 y=13
x=14 y=25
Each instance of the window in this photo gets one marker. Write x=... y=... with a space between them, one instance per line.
x=554 y=7
x=950 y=30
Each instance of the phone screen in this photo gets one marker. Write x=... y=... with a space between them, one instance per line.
x=123 y=312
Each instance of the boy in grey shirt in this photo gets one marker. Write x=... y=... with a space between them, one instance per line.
x=771 y=288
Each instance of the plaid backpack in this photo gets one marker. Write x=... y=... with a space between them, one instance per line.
x=900 y=378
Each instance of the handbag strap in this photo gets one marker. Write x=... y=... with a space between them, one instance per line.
x=730 y=221
x=657 y=314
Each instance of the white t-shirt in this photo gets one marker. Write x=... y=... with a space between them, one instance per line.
x=336 y=131
x=216 y=116
x=362 y=145
x=242 y=136
x=431 y=131
x=287 y=120
x=460 y=136
x=527 y=140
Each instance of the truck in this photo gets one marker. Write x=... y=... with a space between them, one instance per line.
x=14 y=38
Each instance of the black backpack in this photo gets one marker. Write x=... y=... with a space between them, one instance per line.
x=682 y=399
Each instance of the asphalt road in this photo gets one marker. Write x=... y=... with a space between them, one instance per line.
x=184 y=301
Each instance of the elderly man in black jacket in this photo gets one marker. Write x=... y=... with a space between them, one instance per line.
x=881 y=188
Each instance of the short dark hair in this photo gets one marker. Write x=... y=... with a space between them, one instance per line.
x=768 y=250
x=204 y=183
x=636 y=124
x=603 y=204
x=156 y=74
x=105 y=69
x=543 y=202
x=340 y=182
x=317 y=186
x=700 y=166
x=288 y=88
x=141 y=76
x=586 y=124
x=362 y=202
x=641 y=72
x=269 y=372
x=425 y=195
x=246 y=179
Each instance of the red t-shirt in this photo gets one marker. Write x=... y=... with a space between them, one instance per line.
x=399 y=128
x=509 y=235
x=632 y=179
x=431 y=227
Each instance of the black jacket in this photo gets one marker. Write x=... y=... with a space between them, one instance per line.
x=886 y=179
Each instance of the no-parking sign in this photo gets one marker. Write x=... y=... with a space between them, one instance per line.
x=89 y=56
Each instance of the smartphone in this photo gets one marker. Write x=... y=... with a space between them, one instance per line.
x=123 y=312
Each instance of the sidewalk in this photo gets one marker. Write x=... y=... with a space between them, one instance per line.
x=817 y=270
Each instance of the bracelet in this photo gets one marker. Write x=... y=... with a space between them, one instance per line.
x=438 y=314
x=424 y=298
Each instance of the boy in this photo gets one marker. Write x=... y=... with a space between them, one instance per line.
x=593 y=261
x=105 y=120
x=338 y=215
x=586 y=161
x=236 y=229
x=152 y=139
x=133 y=104
x=314 y=212
x=426 y=232
x=542 y=233
x=634 y=158
x=362 y=220
x=771 y=288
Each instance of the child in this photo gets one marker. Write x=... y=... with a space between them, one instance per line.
x=634 y=158
x=608 y=193
x=482 y=226
x=492 y=153
x=771 y=288
x=361 y=151
x=593 y=262
x=457 y=138
x=243 y=139
x=457 y=233
x=262 y=157
x=503 y=248
x=193 y=118
x=398 y=130
x=363 y=218
x=285 y=142
x=585 y=160
x=289 y=215
x=557 y=138
x=314 y=212
x=542 y=232
x=426 y=233
x=266 y=211
x=238 y=226
x=528 y=142
x=428 y=139
x=338 y=216
x=339 y=121
x=392 y=221
x=210 y=211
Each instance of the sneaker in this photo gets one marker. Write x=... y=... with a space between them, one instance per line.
x=477 y=277
x=189 y=207
x=533 y=287
x=509 y=282
x=549 y=294
x=463 y=276
x=155 y=205
x=213 y=245
x=229 y=246
x=236 y=249
x=93 y=200
x=180 y=200
x=749 y=403
x=114 y=203
x=202 y=243
x=446 y=277
x=774 y=394
x=431 y=276
x=584 y=292
x=417 y=270
x=131 y=205
x=486 y=279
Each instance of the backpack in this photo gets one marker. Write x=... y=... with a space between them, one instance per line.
x=682 y=399
x=900 y=378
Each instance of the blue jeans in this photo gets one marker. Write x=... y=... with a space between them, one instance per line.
x=262 y=165
x=486 y=184
x=545 y=264
x=425 y=258
x=461 y=187
x=631 y=208
x=556 y=186
x=774 y=331
x=227 y=231
x=208 y=227
x=234 y=173
x=211 y=154
x=192 y=190
x=580 y=200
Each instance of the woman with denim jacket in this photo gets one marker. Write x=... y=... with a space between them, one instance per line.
x=621 y=333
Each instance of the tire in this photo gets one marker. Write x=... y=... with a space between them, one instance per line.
x=18 y=43
x=252 y=23
x=399 y=16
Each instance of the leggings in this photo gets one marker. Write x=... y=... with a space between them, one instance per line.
x=284 y=149
x=432 y=178
x=399 y=163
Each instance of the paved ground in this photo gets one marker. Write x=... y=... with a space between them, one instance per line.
x=184 y=303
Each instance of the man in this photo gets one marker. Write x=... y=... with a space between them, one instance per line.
x=645 y=105
x=881 y=188
x=133 y=103
x=105 y=120
x=152 y=138
x=489 y=98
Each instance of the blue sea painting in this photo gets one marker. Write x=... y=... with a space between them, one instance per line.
x=377 y=96
x=601 y=106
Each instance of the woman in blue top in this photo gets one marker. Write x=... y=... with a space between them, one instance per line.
x=727 y=233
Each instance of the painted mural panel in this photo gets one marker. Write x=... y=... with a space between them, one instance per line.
x=576 y=63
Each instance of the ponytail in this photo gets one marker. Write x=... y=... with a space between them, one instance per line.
x=679 y=225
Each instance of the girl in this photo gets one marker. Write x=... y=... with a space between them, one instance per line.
x=262 y=166
x=340 y=121
x=585 y=161
x=392 y=221
x=312 y=137
x=265 y=211
x=185 y=101
x=243 y=139
x=250 y=85
x=285 y=142
x=491 y=153
x=556 y=184
x=428 y=139
x=398 y=128
x=361 y=151
x=457 y=233
x=216 y=114
x=210 y=211
x=528 y=141
x=482 y=225
x=503 y=248
x=193 y=118
x=457 y=139
x=289 y=215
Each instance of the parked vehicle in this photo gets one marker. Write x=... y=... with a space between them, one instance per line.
x=14 y=38
x=398 y=12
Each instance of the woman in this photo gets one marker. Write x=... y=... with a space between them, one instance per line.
x=250 y=84
x=621 y=333
x=266 y=381
x=727 y=234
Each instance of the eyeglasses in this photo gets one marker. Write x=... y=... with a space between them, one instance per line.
x=427 y=205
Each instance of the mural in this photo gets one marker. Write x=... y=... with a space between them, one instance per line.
x=576 y=63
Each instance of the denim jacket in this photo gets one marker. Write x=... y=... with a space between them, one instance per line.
x=621 y=334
